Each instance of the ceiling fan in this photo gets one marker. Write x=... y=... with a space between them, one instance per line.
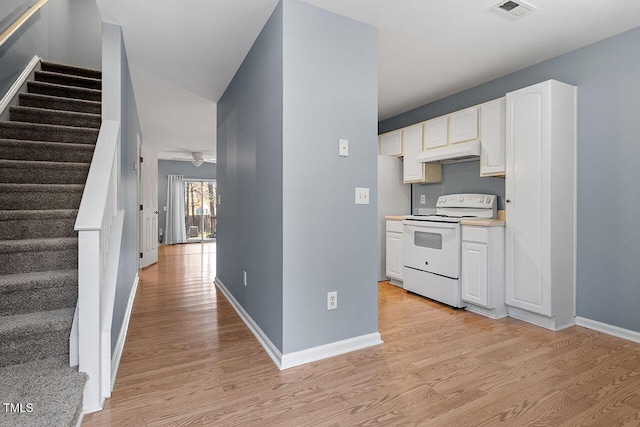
x=198 y=159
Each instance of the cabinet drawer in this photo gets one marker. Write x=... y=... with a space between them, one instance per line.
x=394 y=226
x=475 y=234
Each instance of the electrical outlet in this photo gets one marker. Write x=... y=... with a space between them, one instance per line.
x=332 y=300
x=423 y=199
x=244 y=278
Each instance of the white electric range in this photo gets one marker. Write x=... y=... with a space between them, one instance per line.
x=431 y=246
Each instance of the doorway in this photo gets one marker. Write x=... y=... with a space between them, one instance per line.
x=200 y=210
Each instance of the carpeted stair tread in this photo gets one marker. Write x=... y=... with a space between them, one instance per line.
x=34 y=336
x=52 y=89
x=39 y=322
x=51 y=385
x=22 y=171
x=48 y=133
x=70 y=69
x=32 y=255
x=38 y=280
x=59 y=103
x=16 y=149
x=32 y=245
x=41 y=291
x=23 y=215
x=53 y=117
x=33 y=224
x=40 y=196
x=68 y=80
x=21 y=164
x=52 y=188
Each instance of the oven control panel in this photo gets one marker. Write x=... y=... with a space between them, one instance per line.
x=479 y=201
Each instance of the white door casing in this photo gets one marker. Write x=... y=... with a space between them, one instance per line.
x=149 y=203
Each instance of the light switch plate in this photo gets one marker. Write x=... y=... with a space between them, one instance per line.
x=343 y=149
x=362 y=196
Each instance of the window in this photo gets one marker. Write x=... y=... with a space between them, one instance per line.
x=200 y=210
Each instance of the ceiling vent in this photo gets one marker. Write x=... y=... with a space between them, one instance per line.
x=515 y=9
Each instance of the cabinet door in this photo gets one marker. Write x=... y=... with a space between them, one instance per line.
x=390 y=143
x=527 y=285
x=464 y=125
x=475 y=273
x=412 y=141
x=394 y=255
x=492 y=140
x=436 y=132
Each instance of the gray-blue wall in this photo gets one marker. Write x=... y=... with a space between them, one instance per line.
x=287 y=213
x=458 y=178
x=608 y=78
x=10 y=10
x=130 y=132
x=330 y=243
x=206 y=171
x=249 y=227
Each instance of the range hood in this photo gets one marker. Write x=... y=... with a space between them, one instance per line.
x=455 y=153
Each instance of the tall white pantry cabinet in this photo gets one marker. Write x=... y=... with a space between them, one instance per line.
x=540 y=202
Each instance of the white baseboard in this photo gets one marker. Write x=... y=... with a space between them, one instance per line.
x=117 y=352
x=491 y=313
x=605 y=328
x=297 y=358
x=537 y=319
x=262 y=338
x=396 y=282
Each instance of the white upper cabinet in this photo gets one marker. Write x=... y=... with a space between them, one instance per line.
x=492 y=140
x=436 y=132
x=463 y=125
x=414 y=171
x=390 y=143
x=412 y=141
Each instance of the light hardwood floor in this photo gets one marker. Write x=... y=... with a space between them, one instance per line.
x=189 y=360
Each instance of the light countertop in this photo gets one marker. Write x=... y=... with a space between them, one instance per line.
x=394 y=217
x=493 y=222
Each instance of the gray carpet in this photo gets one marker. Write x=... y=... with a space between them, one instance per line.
x=46 y=149
x=50 y=386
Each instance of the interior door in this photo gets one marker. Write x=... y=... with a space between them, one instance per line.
x=149 y=210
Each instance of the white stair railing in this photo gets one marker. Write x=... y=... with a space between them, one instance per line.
x=99 y=226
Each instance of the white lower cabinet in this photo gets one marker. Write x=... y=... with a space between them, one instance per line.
x=394 y=251
x=482 y=273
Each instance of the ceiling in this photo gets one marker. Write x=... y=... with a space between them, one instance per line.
x=182 y=55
